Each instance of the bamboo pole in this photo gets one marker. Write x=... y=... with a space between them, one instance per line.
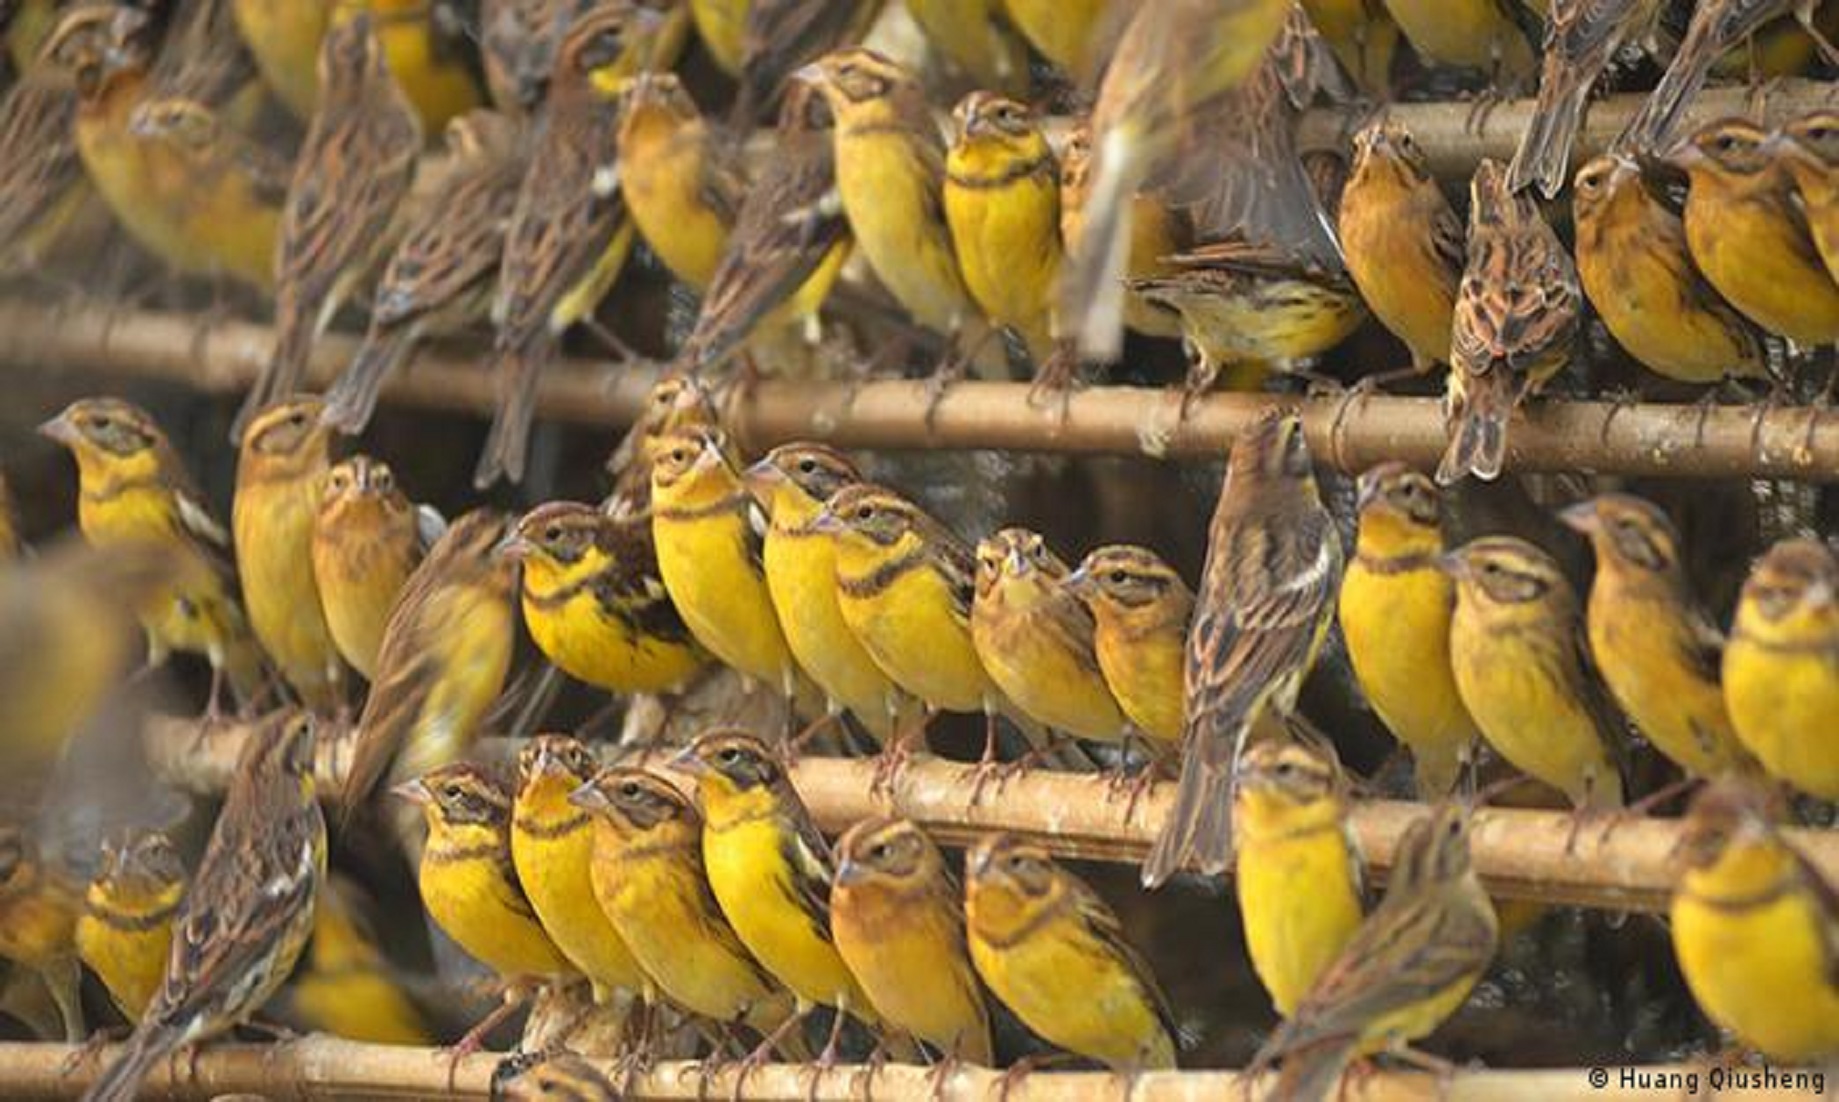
x=1642 y=439
x=322 y=1067
x=1545 y=856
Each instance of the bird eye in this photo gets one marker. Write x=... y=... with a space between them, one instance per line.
x=629 y=790
x=878 y=851
x=296 y=419
x=339 y=482
x=730 y=754
x=1118 y=577
x=384 y=480
x=552 y=534
x=807 y=465
x=102 y=422
x=864 y=512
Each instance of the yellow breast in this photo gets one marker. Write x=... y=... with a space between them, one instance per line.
x=721 y=594
x=552 y=855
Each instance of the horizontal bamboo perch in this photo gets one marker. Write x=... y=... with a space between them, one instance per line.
x=1520 y=854
x=1656 y=440
x=324 y=1067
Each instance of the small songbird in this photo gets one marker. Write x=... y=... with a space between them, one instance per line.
x=552 y=845
x=1403 y=241
x=1808 y=148
x=569 y=234
x=1516 y=323
x=1516 y=646
x=977 y=44
x=1157 y=230
x=792 y=484
x=1054 y=953
x=595 y=604
x=543 y=1076
x=680 y=178
x=1471 y=34
x=1410 y=965
x=1395 y=608
x=247 y=913
x=647 y=875
x=1756 y=928
x=1581 y=38
x=284 y=39
x=43 y=187
x=1298 y=873
x=1749 y=236
x=1655 y=648
x=779 y=36
x=897 y=916
x=428 y=54
x=39 y=912
x=446 y=651
x=1781 y=664
x=353 y=172
x=1637 y=269
x=280 y=474
x=346 y=986
x=441 y=277
x=133 y=489
x=1266 y=598
x=367 y=540
x=1068 y=33
x=1002 y=205
x=124 y=934
x=677 y=403
x=770 y=870
x=1140 y=610
x=1036 y=639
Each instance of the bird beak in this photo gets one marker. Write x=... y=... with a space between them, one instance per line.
x=762 y=479
x=1580 y=517
x=514 y=546
x=61 y=429
x=812 y=74
x=1683 y=156
x=827 y=521
x=1016 y=563
x=1079 y=582
x=590 y=797
x=413 y=791
x=977 y=861
x=686 y=761
x=847 y=872
x=544 y=764
x=1453 y=564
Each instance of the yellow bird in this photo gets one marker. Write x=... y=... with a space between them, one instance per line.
x=770 y=870
x=1756 y=929
x=345 y=985
x=1298 y=873
x=648 y=877
x=39 y=910
x=595 y=604
x=1068 y=33
x=428 y=58
x=280 y=473
x=1395 y=607
x=1808 y=148
x=1781 y=665
x=975 y=43
x=367 y=540
x=1140 y=610
x=1054 y=953
x=1157 y=231
x=1364 y=39
x=1468 y=34
x=1656 y=650
x=721 y=24
x=1516 y=650
x=284 y=39
x=679 y=177
x=898 y=920
x=552 y=846
x=125 y=930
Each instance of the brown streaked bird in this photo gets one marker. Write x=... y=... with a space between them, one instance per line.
x=353 y=172
x=897 y=915
x=1809 y=149
x=1156 y=231
x=1655 y=648
x=280 y=472
x=779 y=36
x=1141 y=610
x=1516 y=324
x=1750 y=237
x=1266 y=598
x=367 y=540
x=1637 y=269
x=517 y=48
x=1581 y=38
x=442 y=274
x=42 y=184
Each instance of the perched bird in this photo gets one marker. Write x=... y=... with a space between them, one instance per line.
x=1781 y=664
x=569 y=235
x=133 y=489
x=1472 y=34
x=353 y=172
x=39 y=912
x=897 y=916
x=1157 y=231
x=467 y=879
x=1516 y=647
x=247 y=913
x=1749 y=236
x=1756 y=928
x=552 y=845
x=1364 y=38
x=1410 y=965
x=280 y=474
x=1516 y=323
x=1140 y=610
x=1655 y=648
x=367 y=540
x=1809 y=149
x=595 y=603
x=1298 y=874
x=541 y=1076
x=1036 y=639
x=446 y=651
x=1054 y=953
x=647 y=875
x=779 y=36
x=1403 y=242
x=721 y=24
x=976 y=43
x=428 y=54
x=1635 y=265
x=1395 y=608
x=1171 y=78
x=441 y=277
x=518 y=40
x=43 y=187
x=1266 y=598
x=1582 y=37
x=680 y=178
x=789 y=240
x=770 y=870
x=285 y=39
x=346 y=986
x=791 y=484
x=125 y=931
x=677 y=403
x=1068 y=33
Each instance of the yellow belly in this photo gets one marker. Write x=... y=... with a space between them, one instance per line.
x=130 y=963
x=912 y=966
x=909 y=630
x=1145 y=677
x=1782 y=706
x=748 y=875
x=1681 y=713
x=1077 y=997
x=1763 y=973
x=554 y=872
x=884 y=189
x=274 y=539
x=1759 y=265
x=1297 y=902
x=1474 y=34
x=467 y=900
x=1008 y=245
x=722 y=597
x=1047 y=682
x=801 y=577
